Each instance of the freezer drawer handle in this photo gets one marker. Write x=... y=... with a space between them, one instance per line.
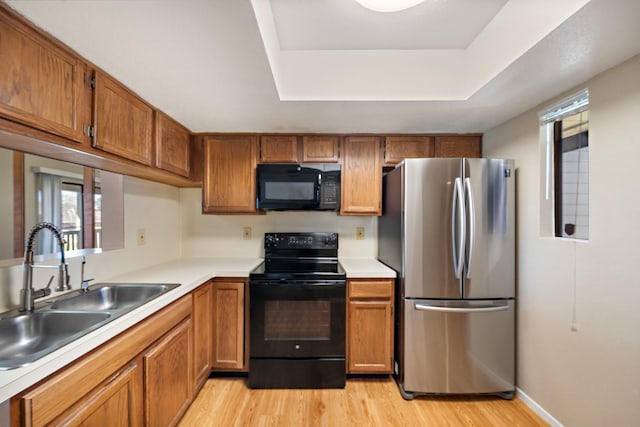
x=423 y=307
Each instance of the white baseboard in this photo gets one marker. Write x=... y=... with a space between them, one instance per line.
x=535 y=407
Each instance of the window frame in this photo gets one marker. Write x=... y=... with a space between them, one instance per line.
x=550 y=122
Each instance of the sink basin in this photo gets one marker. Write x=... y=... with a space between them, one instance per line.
x=27 y=337
x=112 y=297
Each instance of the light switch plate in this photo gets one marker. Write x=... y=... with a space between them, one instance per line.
x=141 y=236
x=246 y=233
x=359 y=233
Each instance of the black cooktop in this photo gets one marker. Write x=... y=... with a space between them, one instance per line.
x=300 y=256
x=264 y=272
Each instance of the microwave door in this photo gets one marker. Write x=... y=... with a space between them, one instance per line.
x=289 y=190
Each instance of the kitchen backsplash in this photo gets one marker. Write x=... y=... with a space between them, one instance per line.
x=223 y=235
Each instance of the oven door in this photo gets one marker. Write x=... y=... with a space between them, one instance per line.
x=297 y=319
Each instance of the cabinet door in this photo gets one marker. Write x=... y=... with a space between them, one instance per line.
x=202 y=324
x=370 y=337
x=361 y=176
x=115 y=403
x=370 y=326
x=398 y=148
x=122 y=121
x=278 y=149
x=458 y=146
x=229 y=181
x=228 y=325
x=320 y=149
x=167 y=377
x=41 y=85
x=172 y=145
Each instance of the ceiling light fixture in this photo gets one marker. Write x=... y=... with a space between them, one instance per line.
x=389 y=5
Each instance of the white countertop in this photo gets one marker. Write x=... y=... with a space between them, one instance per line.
x=190 y=273
x=366 y=268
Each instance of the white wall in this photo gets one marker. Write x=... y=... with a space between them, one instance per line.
x=154 y=207
x=221 y=235
x=590 y=377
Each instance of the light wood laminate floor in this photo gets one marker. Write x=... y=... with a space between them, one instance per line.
x=362 y=403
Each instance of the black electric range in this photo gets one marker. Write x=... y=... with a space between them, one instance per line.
x=297 y=313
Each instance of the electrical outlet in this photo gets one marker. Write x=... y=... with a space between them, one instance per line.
x=359 y=233
x=141 y=236
x=246 y=233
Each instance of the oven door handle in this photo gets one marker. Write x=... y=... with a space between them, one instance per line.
x=298 y=285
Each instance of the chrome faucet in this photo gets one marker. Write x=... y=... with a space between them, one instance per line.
x=28 y=294
x=84 y=283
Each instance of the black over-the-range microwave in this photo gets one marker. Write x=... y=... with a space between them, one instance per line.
x=299 y=187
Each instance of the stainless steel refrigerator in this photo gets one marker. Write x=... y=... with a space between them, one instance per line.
x=447 y=229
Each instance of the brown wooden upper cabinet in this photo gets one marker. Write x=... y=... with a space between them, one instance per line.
x=229 y=180
x=361 y=176
x=400 y=147
x=320 y=149
x=458 y=146
x=279 y=149
x=41 y=82
x=295 y=149
x=172 y=145
x=123 y=122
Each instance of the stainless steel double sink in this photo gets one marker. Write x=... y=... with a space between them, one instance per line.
x=26 y=337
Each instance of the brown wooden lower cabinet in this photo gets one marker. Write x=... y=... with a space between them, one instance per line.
x=141 y=377
x=168 y=388
x=202 y=326
x=370 y=326
x=229 y=314
x=114 y=403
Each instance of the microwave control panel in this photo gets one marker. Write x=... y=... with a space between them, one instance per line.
x=330 y=190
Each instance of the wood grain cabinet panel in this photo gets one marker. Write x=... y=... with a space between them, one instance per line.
x=229 y=181
x=123 y=381
x=278 y=149
x=172 y=145
x=398 y=148
x=202 y=325
x=370 y=326
x=116 y=403
x=320 y=148
x=167 y=377
x=228 y=325
x=361 y=176
x=458 y=146
x=41 y=84
x=123 y=122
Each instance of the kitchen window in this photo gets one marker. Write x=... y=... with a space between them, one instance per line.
x=565 y=143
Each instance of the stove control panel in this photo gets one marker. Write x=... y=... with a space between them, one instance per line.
x=301 y=240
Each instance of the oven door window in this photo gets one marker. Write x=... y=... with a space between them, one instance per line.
x=297 y=320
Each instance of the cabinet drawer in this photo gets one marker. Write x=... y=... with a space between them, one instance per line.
x=370 y=288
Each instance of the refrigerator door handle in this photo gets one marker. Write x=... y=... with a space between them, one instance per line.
x=457 y=212
x=471 y=216
x=491 y=308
